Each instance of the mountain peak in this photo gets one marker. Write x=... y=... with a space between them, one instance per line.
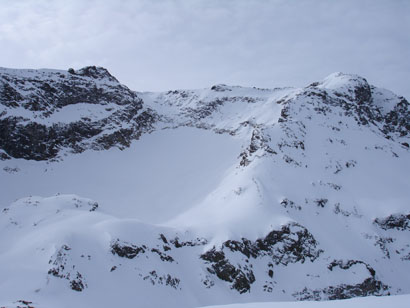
x=351 y=86
x=96 y=72
x=338 y=79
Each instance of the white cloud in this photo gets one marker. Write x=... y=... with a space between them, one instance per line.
x=158 y=45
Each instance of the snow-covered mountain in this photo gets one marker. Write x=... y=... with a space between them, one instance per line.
x=188 y=198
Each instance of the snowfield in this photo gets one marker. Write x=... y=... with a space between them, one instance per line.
x=193 y=198
x=399 y=301
x=143 y=181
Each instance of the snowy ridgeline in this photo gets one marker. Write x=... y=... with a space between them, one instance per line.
x=201 y=197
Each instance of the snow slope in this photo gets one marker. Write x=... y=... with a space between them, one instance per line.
x=400 y=301
x=206 y=197
x=138 y=181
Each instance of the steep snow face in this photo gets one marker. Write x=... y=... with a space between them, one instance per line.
x=256 y=195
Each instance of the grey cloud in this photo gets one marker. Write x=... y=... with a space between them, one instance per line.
x=158 y=45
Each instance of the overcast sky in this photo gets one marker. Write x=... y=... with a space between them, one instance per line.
x=161 y=45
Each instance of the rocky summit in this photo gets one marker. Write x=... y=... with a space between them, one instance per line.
x=112 y=197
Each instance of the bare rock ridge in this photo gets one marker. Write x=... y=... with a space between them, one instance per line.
x=99 y=73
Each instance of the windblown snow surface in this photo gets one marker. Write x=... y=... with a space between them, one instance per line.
x=227 y=195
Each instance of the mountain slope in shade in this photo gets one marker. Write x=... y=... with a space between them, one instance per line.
x=200 y=197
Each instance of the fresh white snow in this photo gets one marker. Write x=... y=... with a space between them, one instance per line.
x=152 y=180
x=399 y=301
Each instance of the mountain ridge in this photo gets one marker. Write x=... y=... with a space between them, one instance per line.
x=309 y=198
x=344 y=86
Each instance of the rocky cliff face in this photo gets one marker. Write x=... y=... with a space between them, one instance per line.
x=315 y=205
x=35 y=120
